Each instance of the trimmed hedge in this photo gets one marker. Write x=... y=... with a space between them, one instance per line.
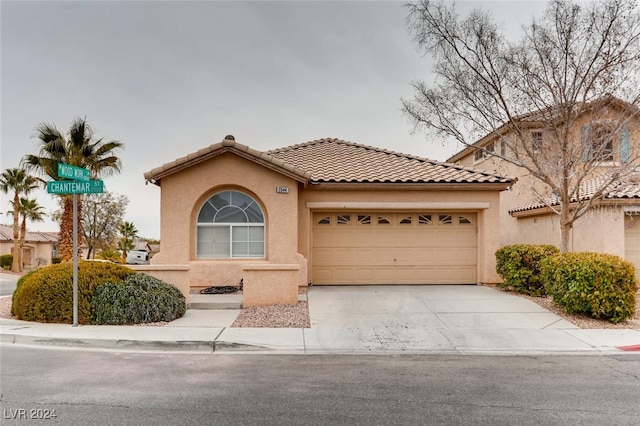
x=6 y=261
x=140 y=299
x=46 y=294
x=601 y=285
x=519 y=267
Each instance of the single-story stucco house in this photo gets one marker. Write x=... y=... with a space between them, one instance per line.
x=39 y=247
x=325 y=212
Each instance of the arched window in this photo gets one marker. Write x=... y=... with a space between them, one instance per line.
x=230 y=224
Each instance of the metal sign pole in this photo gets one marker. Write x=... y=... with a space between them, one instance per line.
x=75 y=260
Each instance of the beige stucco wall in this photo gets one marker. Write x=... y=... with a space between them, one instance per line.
x=488 y=219
x=39 y=250
x=183 y=194
x=600 y=230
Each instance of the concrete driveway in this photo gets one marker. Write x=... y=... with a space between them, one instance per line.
x=426 y=307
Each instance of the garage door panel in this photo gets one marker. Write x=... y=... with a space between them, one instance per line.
x=373 y=257
x=418 y=251
x=407 y=275
x=323 y=274
x=322 y=257
x=450 y=274
x=322 y=239
x=384 y=275
x=343 y=274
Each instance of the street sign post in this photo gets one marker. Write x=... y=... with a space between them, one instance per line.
x=80 y=184
x=72 y=172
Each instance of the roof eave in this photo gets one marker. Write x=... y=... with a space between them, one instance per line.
x=537 y=211
x=412 y=186
x=156 y=175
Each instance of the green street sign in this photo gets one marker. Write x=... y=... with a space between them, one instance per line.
x=75 y=187
x=73 y=172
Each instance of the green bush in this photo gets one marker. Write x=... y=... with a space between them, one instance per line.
x=519 y=267
x=6 y=260
x=46 y=294
x=140 y=299
x=601 y=285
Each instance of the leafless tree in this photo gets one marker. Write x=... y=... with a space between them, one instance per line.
x=101 y=216
x=576 y=67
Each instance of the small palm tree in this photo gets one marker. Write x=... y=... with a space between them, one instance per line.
x=79 y=148
x=128 y=233
x=20 y=182
x=29 y=210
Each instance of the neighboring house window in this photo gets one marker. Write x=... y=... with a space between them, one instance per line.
x=230 y=224
x=536 y=141
x=54 y=251
x=599 y=142
x=481 y=154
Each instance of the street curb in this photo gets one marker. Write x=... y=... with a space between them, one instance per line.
x=224 y=347
x=123 y=344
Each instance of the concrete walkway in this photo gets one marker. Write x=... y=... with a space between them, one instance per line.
x=358 y=320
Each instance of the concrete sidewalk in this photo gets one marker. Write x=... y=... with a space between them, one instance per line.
x=358 y=320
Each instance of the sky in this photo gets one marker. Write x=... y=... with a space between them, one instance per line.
x=167 y=78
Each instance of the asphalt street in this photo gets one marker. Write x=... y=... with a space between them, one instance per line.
x=102 y=387
x=8 y=284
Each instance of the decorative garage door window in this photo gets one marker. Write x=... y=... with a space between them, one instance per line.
x=230 y=224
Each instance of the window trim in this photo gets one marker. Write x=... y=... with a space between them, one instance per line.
x=537 y=141
x=620 y=147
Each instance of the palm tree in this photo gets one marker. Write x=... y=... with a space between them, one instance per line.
x=79 y=148
x=20 y=182
x=128 y=232
x=29 y=210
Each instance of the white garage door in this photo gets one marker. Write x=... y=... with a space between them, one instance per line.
x=394 y=248
x=632 y=241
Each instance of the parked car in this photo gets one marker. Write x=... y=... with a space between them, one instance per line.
x=138 y=257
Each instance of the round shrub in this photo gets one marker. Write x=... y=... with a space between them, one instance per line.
x=46 y=295
x=601 y=285
x=519 y=267
x=19 y=283
x=6 y=261
x=140 y=299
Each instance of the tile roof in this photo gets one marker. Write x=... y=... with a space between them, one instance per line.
x=6 y=235
x=625 y=188
x=335 y=160
x=229 y=144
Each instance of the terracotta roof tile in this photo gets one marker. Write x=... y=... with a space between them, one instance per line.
x=6 y=234
x=626 y=188
x=335 y=160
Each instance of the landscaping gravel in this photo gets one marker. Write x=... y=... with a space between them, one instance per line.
x=274 y=316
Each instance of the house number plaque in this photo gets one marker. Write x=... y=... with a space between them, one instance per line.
x=282 y=189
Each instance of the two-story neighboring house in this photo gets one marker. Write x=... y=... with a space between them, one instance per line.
x=604 y=140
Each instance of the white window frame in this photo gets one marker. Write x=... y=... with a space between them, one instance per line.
x=230 y=227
